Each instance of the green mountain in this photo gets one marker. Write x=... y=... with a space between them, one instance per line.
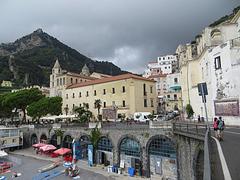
x=29 y=60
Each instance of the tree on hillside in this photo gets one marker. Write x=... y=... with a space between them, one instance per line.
x=44 y=106
x=98 y=105
x=21 y=99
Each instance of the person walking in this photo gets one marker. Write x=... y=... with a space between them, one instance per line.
x=221 y=125
x=215 y=126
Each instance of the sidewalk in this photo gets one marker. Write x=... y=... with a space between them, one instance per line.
x=29 y=152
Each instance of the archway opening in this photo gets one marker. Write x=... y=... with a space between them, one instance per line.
x=84 y=142
x=104 y=151
x=54 y=141
x=43 y=138
x=130 y=155
x=162 y=157
x=199 y=168
x=34 y=139
x=67 y=141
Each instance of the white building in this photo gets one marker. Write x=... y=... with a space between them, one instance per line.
x=213 y=57
x=164 y=65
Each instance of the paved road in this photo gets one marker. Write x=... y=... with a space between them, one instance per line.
x=29 y=166
x=231 y=148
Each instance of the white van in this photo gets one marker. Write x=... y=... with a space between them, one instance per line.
x=141 y=116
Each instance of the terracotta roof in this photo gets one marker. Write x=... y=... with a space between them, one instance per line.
x=157 y=75
x=109 y=79
x=79 y=75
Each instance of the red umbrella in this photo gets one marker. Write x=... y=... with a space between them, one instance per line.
x=62 y=151
x=38 y=145
x=48 y=147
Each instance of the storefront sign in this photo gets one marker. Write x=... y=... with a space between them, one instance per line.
x=90 y=155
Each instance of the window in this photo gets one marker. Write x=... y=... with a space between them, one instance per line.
x=60 y=81
x=73 y=106
x=95 y=92
x=123 y=89
x=175 y=96
x=80 y=94
x=168 y=96
x=104 y=144
x=57 y=82
x=66 y=96
x=145 y=102
x=87 y=94
x=175 y=80
x=144 y=90
x=76 y=81
x=64 y=81
x=113 y=90
x=151 y=89
x=130 y=147
x=217 y=62
x=124 y=104
x=104 y=91
x=71 y=80
x=152 y=103
x=80 y=105
x=73 y=96
x=104 y=104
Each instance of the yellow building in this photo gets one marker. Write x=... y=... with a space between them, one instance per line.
x=121 y=95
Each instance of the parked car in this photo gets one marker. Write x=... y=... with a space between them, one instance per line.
x=141 y=116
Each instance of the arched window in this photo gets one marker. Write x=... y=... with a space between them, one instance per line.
x=130 y=147
x=162 y=146
x=105 y=144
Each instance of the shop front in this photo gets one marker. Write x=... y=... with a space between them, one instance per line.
x=104 y=151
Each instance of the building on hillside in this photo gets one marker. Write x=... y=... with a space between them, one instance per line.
x=6 y=83
x=60 y=79
x=202 y=60
x=121 y=96
x=173 y=96
x=164 y=65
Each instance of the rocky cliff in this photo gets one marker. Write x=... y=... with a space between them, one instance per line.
x=29 y=60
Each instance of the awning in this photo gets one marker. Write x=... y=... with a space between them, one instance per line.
x=175 y=87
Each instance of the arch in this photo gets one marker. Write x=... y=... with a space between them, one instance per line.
x=34 y=139
x=158 y=148
x=67 y=141
x=43 y=138
x=84 y=142
x=198 y=163
x=53 y=140
x=162 y=146
x=105 y=144
x=215 y=32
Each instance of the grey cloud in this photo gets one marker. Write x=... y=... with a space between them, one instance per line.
x=127 y=32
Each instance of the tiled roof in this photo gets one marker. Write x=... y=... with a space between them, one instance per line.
x=157 y=75
x=79 y=75
x=109 y=79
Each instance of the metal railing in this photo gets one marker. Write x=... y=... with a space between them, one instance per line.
x=190 y=129
x=207 y=166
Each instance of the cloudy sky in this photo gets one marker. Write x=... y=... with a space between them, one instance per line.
x=129 y=33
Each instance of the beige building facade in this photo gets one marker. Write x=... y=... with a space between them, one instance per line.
x=121 y=96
